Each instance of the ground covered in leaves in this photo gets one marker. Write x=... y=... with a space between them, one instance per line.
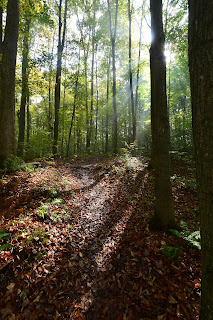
x=75 y=243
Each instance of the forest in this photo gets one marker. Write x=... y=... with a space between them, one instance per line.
x=106 y=159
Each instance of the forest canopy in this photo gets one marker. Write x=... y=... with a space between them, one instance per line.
x=67 y=47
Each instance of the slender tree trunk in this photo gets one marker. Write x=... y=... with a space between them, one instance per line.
x=130 y=80
x=61 y=40
x=7 y=81
x=86 y=44
x=92 y=91
x=97 y=106
x=129 y=120
x=1 y=29
x=50 y=92
x=63 y=115
x=164 y=214
x=86 y=104
x=92 y=81
x=28 y=120
x=107 y=113
x=74 y=107
x=138 y=67
x=78 y=140
x=201 y=78
x=25 y=89
x=113 y=38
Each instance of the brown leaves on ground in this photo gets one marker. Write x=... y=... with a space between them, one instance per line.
x=75 y=244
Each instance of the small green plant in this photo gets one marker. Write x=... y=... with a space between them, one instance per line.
x=172 y=252
x=54 y=191
x=4 y=235
x=189 y=183
x=43 y=211
x=37 y=234
x=13 y=164
x=5 y=246
x=193 y=238
x=56 y=201
x=28 y=167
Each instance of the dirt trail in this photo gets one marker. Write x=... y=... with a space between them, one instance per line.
x=83 y=249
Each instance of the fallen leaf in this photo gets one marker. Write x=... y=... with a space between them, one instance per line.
x=11 y=287
x=172 y=300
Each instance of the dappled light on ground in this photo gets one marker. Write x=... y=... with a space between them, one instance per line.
x=75 y=244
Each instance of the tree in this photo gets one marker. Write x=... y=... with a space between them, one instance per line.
x=130 y=79
x=113 y=38
x=164 y=214
x=7 y=81
x=201 y=77
x=25 y=89
x=92 y=75
x=61 y=41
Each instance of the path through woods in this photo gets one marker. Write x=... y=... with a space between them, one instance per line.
x=78 y=245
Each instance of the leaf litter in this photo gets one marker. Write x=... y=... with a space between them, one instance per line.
x=78 y=245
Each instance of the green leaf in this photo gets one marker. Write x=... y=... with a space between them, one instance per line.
x=3 y=235
x=5 y=246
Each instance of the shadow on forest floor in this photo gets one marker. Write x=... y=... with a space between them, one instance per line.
x=77 y=245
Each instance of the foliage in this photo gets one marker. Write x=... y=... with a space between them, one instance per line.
x=13 y=164
x=172 y=252
x=192 y=237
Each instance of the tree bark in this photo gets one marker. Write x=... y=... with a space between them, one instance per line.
x=164 y=214
x=7 y=81
x=113 y=38
x=50 y=89
x=25 y=89
x=74 y=106
x=97 y=105
x=138 y=66
x=201 y=80
x=61 y=40
x=130 y=80
x=28 y=120
x=1 y=29
x=107 y=113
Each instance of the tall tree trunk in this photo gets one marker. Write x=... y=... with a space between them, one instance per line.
x=63 y=115
x=107 y=113
x=25 y=89
x=1 y=29
x=97 y=106
x=201 y=79
x=138 y=66
x=86 y=44
x=113 y=38
x=164 y=214
x=7 y=81
x=130 y=79
x=50 y=90
x=86 y=103
x=28 y=120
x=92 y=79
x=74 y=107
x=61 y=40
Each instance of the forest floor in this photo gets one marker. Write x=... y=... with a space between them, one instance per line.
x=75 y=243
